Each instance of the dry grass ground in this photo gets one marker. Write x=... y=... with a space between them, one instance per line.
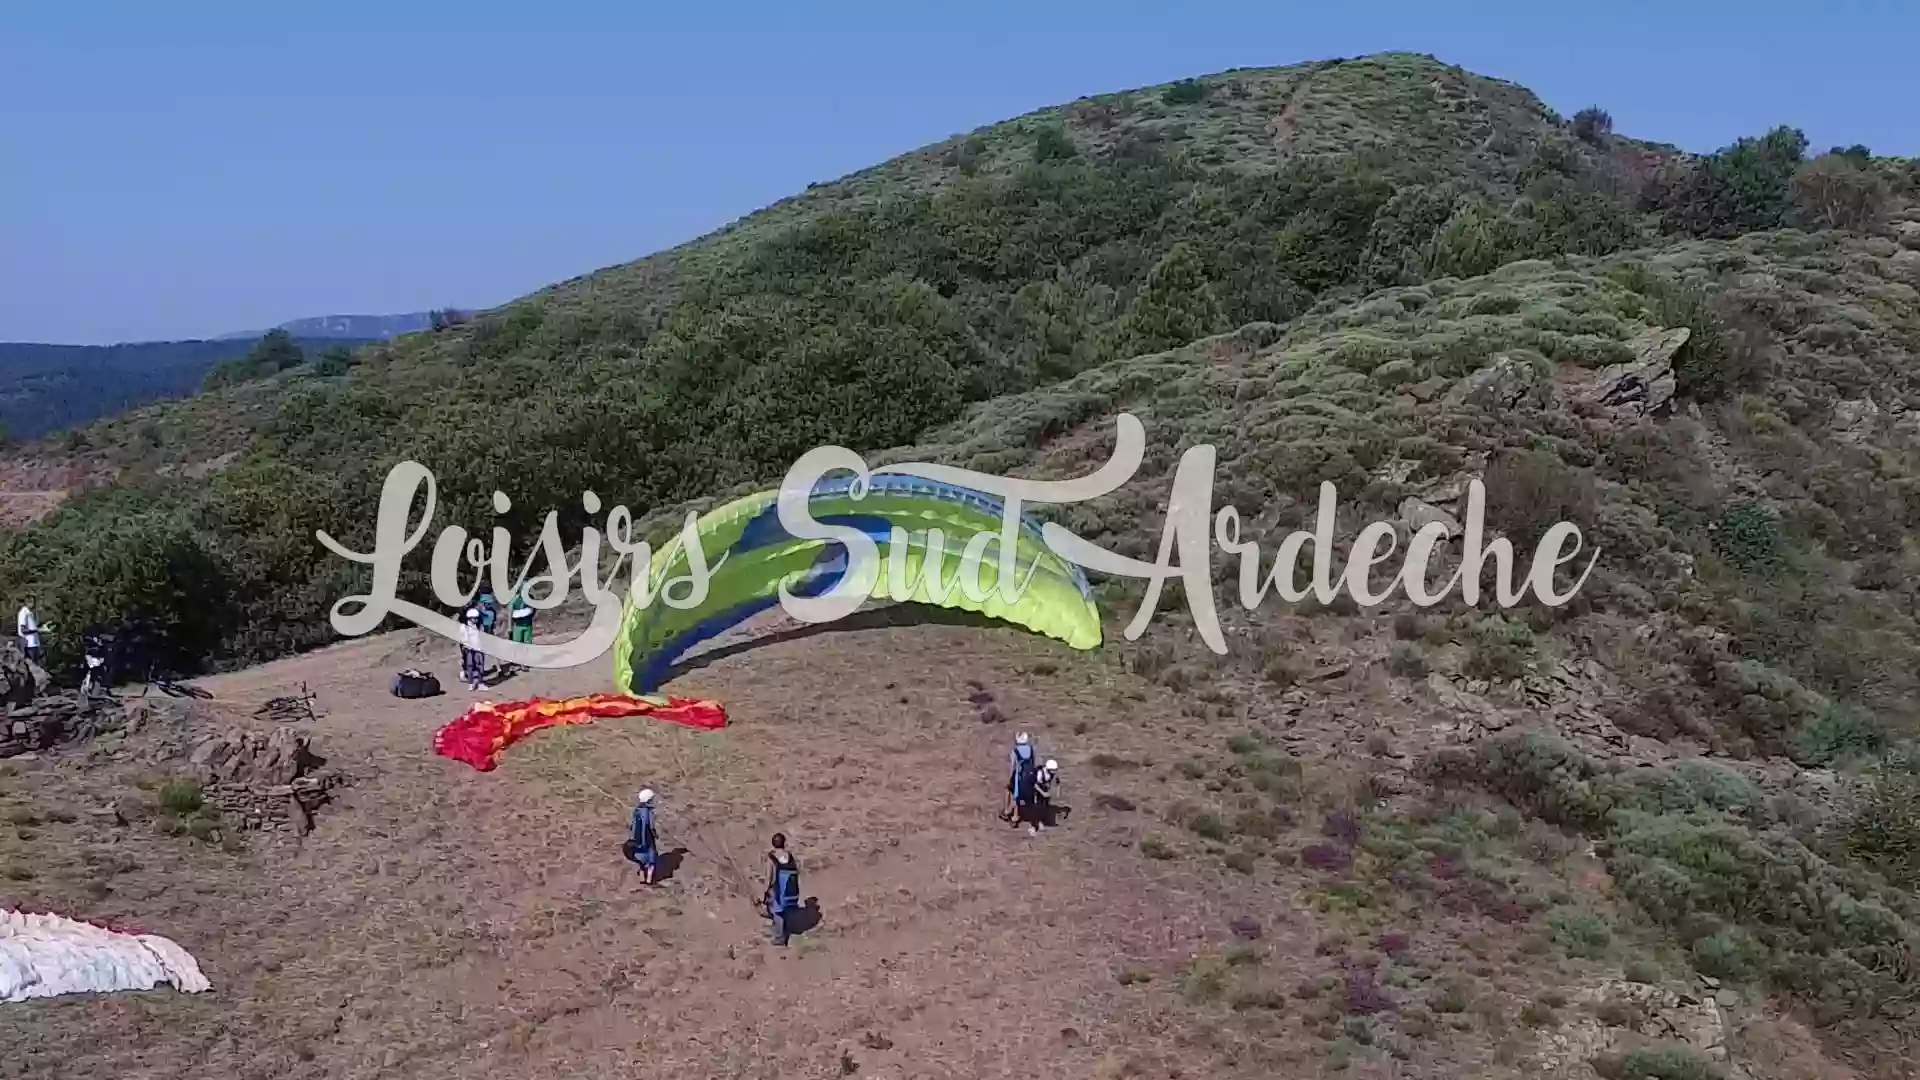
x=446 y=923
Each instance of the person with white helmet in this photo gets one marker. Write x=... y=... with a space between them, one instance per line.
x=1046 y=783
x=644 y=845
x=473 y=662
x=1025 y=762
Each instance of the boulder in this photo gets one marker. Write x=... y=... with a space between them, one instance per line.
x=1509 y=382
x=1418 y=513
x=1854 y=422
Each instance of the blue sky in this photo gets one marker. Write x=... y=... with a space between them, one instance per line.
x=196 y=167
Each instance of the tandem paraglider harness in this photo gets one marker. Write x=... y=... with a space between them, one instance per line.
x=413 y=683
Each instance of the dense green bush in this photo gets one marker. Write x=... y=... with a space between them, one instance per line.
x=1592 y=125
x=1694 y=847
x=1746 y=187
x=1884 y=828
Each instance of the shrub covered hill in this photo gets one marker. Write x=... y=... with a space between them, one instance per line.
x=1386 y=272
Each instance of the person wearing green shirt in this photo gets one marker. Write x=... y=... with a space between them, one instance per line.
x=520 y=617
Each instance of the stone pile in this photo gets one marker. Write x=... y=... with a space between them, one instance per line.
x=264 y=779
x=20 y=678
x=53 y=719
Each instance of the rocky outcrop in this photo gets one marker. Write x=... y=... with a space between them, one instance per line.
x=1569 y=696
x=1644 y=386
x=1615 y=1015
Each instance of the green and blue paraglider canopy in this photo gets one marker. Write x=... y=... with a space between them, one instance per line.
x=920 y=529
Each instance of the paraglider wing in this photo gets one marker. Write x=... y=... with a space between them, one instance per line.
x=937 y=521
x=479 y=735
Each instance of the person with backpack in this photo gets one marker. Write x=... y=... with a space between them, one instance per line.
x=1046 y=784
x=1025 y=761
x=473 y=662
x=783 y=887
x=94 y=658
x=644 y=843
x=489 y=610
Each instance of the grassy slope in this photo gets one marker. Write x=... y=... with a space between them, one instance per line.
x=945 y=277
x=1468 y=125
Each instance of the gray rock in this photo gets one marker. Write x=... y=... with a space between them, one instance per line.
x=1509 y=382
x=1646 y=385
x=1854 y=421
x=1418 y=514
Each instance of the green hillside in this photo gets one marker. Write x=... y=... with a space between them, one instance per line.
x=1384 y=272
x=867 y=312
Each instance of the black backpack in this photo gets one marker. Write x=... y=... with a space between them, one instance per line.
x=1029 y=774
x=786 y=884
x=415 y=684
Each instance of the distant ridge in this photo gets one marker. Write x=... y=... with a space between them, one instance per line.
x=45 y=388
x=355 y=327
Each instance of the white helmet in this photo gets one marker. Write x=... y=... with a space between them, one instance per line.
x=472 y=615
x=1052 y=765
x=645 y=796
x=1020 y=739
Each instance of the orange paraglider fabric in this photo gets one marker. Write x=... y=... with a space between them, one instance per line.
x=485 y=730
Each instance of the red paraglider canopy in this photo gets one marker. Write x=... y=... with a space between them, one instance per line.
x=485 y=730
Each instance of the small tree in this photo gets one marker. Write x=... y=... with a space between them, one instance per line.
x=334 y=361
x=1592 y=125
x=1052 y=143
x=275 y=351
x=1175 y=306
x=1835 y=192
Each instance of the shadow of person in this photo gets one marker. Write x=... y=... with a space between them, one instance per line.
x=1054 y=814
x=668 y=862
x=804 y=918
x=664 y=864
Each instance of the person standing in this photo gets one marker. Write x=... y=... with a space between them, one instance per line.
x=645 y=843
x=519 y=617
x=1024 y=761
x=28 y=628
x=473 y=662
x=1046 y=784
x=94 y=651
x=489 y=610
x=783 y=887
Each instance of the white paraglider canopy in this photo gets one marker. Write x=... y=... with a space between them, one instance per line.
x=47 y=956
